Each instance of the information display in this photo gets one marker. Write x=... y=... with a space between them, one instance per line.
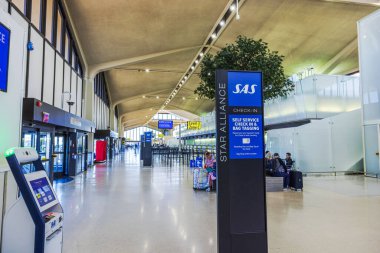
x=148 y=136
x=42 y=191
x=245 y=115
x=165 y=124
x=245 y=137
x=5 y=35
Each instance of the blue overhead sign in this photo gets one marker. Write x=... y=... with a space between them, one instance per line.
x=165 y=124
x=5 y=35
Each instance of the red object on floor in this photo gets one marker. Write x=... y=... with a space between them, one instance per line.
x=101 y=151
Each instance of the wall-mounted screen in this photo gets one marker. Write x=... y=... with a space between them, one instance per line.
x=5 y=35
x=165 y=124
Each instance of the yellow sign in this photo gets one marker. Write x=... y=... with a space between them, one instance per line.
x=160 y=135
x=194 y=125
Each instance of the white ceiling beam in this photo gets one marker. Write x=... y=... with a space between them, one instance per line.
x=124 y=100
x=94 y=69
x=333 y=62
x=366 y=2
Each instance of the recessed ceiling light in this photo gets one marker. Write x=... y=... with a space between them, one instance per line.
x=151 y=109
x=185 y=77
x=201 y=54
x=157 y=97
x=183 y=81
x=183 y=98
x=196 y=98
x=233 y=7
x=144 y=96
x=147 y=70
x=192 y=67
x=196 y=61
x=222 y=23
x=213 y=36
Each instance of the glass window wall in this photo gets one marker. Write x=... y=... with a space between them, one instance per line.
x=36 y=14
x=20 y=4
x=135 y=133
x=59 y=32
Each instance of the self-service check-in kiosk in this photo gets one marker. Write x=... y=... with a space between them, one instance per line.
x=35 y=222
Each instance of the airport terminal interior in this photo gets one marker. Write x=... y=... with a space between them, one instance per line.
x=226 y=126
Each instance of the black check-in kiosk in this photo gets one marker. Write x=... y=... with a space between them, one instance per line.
x=35 y=222
x=147 y=149
x=242 y=217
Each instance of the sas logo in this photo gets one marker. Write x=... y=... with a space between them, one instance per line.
x=246 y=89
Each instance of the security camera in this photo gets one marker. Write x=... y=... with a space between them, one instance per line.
x=70 y=103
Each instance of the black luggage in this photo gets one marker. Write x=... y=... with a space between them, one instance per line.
x=296 y=181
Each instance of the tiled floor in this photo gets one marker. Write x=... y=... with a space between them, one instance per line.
x=120 y=207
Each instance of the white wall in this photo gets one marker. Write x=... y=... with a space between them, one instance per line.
x=35 y=65
x=79 y=96
x=328 y=145
x=48 y=92
x=49 y=74
x=369 y=62
x=73 y=109
x=11 y=102
x=66 y=85
x=58 y=82
x=43 y=83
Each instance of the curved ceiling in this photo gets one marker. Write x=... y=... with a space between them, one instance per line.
x=125 y=37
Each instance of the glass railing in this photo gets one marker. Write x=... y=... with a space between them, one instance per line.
x=315 y=97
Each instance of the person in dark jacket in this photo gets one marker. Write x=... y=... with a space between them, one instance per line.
x=289 y=161
x=268 y=163
x=280 y=170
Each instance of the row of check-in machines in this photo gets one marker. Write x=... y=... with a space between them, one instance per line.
x=34 y=224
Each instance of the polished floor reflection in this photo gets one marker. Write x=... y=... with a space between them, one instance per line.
x=121 y=207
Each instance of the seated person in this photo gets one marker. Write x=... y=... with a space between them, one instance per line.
x=280 y=170
x=210 y=167
x=289 y=161
x=268 y=163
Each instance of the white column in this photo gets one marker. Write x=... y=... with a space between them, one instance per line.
x=369 y=62
x=89 y=107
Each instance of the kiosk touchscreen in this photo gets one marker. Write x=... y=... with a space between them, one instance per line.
x=34 y=223
x=42 y=191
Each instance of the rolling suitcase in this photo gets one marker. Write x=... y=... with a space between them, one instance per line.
x=200 y=179
x=296 y=181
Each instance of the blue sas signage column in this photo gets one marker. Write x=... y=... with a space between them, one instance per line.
x=147 y=149
x=242 y=225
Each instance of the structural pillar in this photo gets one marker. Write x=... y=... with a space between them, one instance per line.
x=369 y=62
x=89 y=108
